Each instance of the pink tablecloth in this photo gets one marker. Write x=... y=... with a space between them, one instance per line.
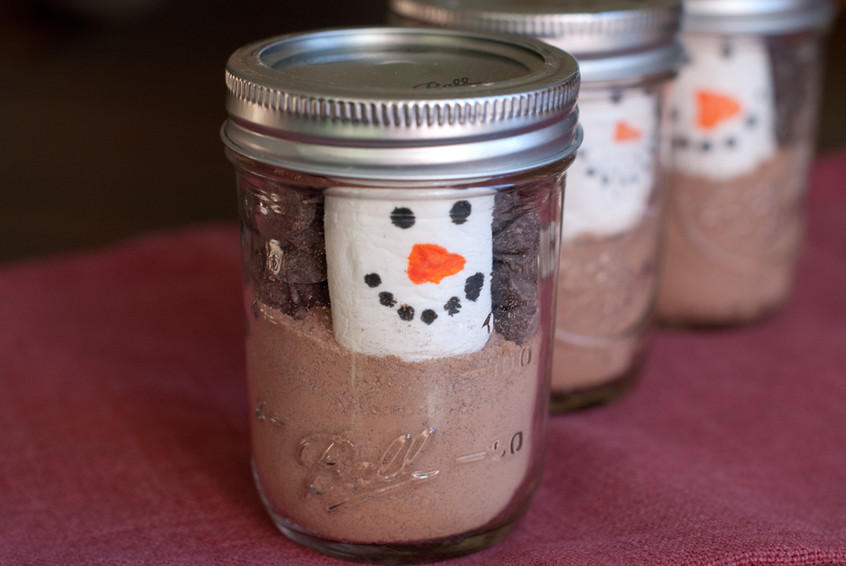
x=124 y=423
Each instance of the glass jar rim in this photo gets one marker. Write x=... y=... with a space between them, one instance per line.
x=385 y=102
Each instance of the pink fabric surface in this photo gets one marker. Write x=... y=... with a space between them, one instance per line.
x=124 y=423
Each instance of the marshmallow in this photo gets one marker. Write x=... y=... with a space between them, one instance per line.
x=409 y=270
x=723 y=108
x=609 y=183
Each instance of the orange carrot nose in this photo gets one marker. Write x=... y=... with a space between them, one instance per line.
x=714 y=108
x=625 y=132
x=429 y=263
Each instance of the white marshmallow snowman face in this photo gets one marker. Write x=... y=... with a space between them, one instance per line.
x=409 y=276
x=723 y=114
x=609 y=183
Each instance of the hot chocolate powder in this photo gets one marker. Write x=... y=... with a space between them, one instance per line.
x=367 y=449
x=730 y=247
x=606 y=291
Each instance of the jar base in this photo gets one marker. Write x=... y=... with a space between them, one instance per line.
x=401 y=553
x=393 y=553
x=734 y=319
x=583 y=398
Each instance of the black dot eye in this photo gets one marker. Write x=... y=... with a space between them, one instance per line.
x=406 y=313
x=428 y=316
x=372 y=280
x=473 y=286
x=460 y=212
x=402 y=217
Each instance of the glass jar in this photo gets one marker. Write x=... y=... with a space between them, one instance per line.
x=743 y=132
x=628 y=54
x=400 y=195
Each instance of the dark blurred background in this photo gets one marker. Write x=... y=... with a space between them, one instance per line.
x=110 y=111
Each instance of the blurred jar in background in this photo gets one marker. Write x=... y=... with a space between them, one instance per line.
x=628 y=54
x=743 y=128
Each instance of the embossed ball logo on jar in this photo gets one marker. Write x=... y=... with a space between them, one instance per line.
x=409 y=277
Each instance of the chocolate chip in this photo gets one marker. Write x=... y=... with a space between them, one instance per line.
x=282 y=239
x=294 y=299
x=796 y=80
x=516 y=241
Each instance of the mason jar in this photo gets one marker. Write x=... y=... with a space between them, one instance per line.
x=400 y=199
x=743 y=131
x=628 y=54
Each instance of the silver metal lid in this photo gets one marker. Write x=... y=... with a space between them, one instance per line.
x=756 y=16
x=612 y=39
x=402 y=103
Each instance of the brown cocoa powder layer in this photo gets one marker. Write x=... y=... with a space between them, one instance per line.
x=606 y=291
x=730 y=247
x=367 y=449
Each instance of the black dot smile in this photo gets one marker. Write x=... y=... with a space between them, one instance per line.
x=472 y=290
